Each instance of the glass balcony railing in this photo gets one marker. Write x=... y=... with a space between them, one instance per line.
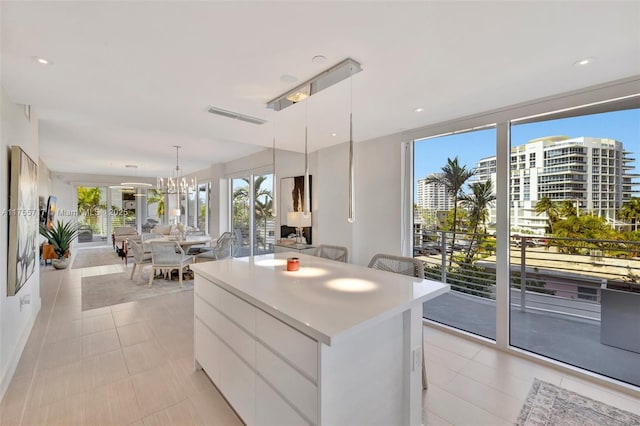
x=573 y=300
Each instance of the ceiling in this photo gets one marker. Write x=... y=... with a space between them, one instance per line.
x=129 y=80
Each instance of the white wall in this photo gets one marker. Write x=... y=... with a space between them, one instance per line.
x=378 y=205
x=15 y=322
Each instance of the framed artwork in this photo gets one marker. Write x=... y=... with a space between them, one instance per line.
x=292 y=200
x=23 y=220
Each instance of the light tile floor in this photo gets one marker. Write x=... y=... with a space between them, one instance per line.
x=132 y=364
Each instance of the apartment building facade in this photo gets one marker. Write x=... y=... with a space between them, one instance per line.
x=594 y=173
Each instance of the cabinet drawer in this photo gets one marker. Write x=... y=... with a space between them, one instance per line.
x=207 y=350
x=242 y=343
x=207 y=290
x=271 y=410
x=297 y=389
x=203 y=311
x=238 y=384
x=295 y=347
x=227 y=331
x=235 y=308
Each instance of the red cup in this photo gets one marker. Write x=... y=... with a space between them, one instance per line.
x=293 y=264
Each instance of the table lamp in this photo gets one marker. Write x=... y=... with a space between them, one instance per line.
x=298 y=220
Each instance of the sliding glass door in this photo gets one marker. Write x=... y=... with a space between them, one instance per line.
x=252 y=219
x=454 y=226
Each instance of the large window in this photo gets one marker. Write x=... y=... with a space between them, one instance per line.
x=574 y=240
x=454 y=226
x=550 y=265
x=252 y=218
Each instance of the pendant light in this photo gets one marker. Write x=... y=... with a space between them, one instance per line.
x=352 y=213
x=307 y=207
x=274 y=192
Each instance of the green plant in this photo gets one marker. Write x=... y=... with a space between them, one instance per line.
x=61 y=235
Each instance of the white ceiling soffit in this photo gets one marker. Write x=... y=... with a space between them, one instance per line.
x=128 y=80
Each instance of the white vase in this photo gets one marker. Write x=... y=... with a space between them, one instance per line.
x=60 y=263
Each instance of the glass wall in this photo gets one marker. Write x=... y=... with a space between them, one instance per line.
x=204 y=193
x=241 y=216
x=454 y=226
x=550 y=264
x=575 y=241
x=252 y=218
x=264 y=229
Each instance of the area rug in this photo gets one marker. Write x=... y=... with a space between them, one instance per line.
x=549 y=405
x=112 y=289
x=88 y=257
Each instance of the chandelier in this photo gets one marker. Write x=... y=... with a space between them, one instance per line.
x=176 y=183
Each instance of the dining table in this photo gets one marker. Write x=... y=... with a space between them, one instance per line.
x=184 y=242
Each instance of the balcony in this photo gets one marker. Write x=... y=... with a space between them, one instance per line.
x=559 y=306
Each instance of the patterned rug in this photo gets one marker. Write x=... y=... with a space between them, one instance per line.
x=111 y=289
x=101 y=256
x=549 y=405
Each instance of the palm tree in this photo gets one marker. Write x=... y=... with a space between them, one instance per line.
x=545 y=205
x=630 y=211
x=263 y=203
x=156 y=196
x=89 y=204
x=453 y=177
x=478 y=202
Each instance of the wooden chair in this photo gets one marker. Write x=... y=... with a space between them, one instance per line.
x=406 y=266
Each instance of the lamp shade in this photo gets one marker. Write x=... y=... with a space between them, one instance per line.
x=298 y=220
x=174 y=212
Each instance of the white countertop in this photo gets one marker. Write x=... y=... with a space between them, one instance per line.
x=326 y=300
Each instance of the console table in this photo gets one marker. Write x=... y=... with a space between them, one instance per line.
x=330 y=344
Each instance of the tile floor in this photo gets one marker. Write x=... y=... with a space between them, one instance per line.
x=132 y=364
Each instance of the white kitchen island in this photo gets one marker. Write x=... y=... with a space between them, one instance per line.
x=330 y=344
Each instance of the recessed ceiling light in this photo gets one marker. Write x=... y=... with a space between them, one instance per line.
x=419 y=109
x=334 y=134
x=582 y=62
x=42 y=61
x=318 y=59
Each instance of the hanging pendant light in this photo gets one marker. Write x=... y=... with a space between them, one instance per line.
x=352 y=213
x=307 y=196
x=274 y=192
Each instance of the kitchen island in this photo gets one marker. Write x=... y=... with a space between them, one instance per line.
x=330 y=344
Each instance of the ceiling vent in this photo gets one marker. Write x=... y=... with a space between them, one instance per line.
x=236 y=115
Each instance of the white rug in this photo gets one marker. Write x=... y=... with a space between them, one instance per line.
x=112 y=289
x=548 y=405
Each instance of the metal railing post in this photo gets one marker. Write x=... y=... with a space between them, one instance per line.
x=523 y=273
x=443 y=252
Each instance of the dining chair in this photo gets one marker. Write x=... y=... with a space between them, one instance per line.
x=220 y=250
x=405 y=266
x=150 y=236
x=327 y=251
x=167 y=256
x=196 y=248
x=139 y=256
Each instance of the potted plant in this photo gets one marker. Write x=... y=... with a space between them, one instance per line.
x=60 y=236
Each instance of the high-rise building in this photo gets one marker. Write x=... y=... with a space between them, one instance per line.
x=591 y=172
x=433 y=195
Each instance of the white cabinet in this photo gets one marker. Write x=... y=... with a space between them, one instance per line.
x=266 y=369
x=331 y=344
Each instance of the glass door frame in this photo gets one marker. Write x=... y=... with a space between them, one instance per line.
x=592 y=99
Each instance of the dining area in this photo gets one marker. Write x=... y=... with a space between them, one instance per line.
x=171 y=255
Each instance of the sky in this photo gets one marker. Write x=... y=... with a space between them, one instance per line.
x=431 y=154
